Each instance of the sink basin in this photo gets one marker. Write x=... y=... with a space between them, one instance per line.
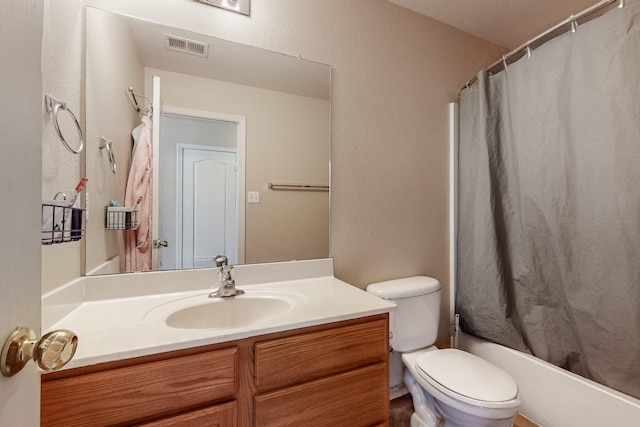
x=201 y=312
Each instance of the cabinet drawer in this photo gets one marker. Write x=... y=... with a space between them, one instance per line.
x=140 y=392
x=224 y=415
x=304 y=357
x=354 y=398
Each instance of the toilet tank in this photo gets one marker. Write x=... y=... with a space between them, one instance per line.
x=414 y=323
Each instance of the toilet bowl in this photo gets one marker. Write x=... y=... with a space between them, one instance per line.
x=449 y=387
x=463 y=389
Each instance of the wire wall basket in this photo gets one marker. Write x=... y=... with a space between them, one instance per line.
x=61 y=223
x=121 y=218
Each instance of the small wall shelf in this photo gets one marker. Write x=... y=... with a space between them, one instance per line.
x=121 y=218
x=61 y=223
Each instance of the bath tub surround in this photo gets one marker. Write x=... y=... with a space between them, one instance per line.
x=554 y=397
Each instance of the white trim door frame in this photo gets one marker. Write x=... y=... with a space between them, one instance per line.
x=241 y=143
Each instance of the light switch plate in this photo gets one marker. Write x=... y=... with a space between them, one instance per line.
x=253 y=197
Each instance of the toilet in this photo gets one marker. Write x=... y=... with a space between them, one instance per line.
x=449 y=387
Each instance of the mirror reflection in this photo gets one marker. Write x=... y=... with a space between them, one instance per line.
x=222 y=122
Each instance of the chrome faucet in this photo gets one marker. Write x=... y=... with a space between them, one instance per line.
x=225 y=277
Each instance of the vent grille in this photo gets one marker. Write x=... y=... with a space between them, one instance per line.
x=191 y=47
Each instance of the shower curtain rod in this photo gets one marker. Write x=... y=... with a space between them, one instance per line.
x=567 y=25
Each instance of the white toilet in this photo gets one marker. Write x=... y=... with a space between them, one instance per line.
x=449 y=387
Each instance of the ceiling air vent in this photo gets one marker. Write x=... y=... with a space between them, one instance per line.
x=180 y=44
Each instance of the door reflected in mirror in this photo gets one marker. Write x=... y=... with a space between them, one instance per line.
x=225 y=124
x=200 y=207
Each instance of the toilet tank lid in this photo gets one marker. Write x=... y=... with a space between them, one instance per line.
x=405 y=287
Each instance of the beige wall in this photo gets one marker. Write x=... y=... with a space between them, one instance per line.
x=62 y=65
x=113 y=65
x=394 y=71
x=287 y=141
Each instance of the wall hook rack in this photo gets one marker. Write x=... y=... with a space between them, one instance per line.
x=147 y=111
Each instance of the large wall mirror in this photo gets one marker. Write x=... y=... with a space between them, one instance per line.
x=241 y=162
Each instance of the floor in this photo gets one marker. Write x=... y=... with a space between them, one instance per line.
x=402 y=408
x=400 y=411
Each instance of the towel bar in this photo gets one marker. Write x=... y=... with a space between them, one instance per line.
x=298 y=187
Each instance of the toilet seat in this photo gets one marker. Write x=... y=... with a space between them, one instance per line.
x=467 y=378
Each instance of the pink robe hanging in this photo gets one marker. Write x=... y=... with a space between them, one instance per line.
x=139 y=184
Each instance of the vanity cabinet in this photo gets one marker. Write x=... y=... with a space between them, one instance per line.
x=325 y=375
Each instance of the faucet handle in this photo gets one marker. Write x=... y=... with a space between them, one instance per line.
x=221 y=261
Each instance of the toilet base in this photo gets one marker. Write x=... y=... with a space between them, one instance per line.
x=465 y=420
x=416 y=421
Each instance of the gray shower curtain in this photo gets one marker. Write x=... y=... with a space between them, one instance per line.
x=549 y=202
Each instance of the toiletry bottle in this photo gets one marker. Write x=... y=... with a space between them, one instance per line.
x=73 y=197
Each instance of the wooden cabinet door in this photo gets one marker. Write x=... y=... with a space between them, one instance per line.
x=303 y=357
x=353 y=398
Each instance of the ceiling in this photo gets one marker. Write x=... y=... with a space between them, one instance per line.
x=226 y=60
x=507 y=23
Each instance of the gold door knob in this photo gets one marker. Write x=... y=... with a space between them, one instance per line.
x=51 y=352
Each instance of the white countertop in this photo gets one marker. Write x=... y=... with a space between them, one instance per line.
x=116 y=328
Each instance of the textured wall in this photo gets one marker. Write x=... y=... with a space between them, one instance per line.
x=109 y=114
x=62 y=65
